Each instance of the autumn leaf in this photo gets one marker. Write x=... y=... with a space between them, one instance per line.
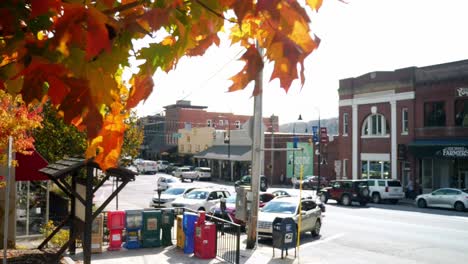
x=40 y=7
x=140 y=90
x=314 y=4
x=253 y=65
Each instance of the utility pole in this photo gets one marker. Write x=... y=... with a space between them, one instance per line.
x=256 y=160
x=272 y=147
x=319 y=155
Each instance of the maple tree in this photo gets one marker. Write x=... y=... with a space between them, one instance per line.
x=17 y=119
x=74 y=52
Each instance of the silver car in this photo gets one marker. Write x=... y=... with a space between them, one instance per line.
x=289 y=207
x=444 y=198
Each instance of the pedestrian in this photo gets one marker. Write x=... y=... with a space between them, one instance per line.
x=409 y=189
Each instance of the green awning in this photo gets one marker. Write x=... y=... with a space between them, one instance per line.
x=440 y=148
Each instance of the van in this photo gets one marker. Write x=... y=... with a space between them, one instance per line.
x=147 y=167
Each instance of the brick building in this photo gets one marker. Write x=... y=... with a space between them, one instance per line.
x=411 y=123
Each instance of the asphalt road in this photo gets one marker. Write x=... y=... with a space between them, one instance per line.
x=373 y=234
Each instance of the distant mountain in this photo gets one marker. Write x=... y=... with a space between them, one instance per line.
x=330 y=123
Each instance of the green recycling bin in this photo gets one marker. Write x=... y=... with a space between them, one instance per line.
x=151 y=232
x=166 y=226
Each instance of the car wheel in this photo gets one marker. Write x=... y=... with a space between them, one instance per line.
x=323 y=198
x=376 y=198
x=346 y=200
x=191 y=180
x=459 y=206
x=422 y=203
x=316 y=231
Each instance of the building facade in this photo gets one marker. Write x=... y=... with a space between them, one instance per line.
x=390 y=121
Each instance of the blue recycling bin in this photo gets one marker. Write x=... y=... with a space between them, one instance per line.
x=189 y=230
x=133 y=225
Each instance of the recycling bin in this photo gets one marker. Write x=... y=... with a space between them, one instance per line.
x=115 y=224
x=205 y=238
x=189 y=231
x=284 y=234
x=166 y=227
x=151 y=232
x=97 y=234
x=180 y=233
x=133 y=224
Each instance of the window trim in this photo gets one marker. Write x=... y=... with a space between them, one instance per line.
x=345 y=124
x=369 y=122
x=404 y=127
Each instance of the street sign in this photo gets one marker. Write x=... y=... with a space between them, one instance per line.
x=314 y=129
x=295 y=140
x=324 y=139
x=323 y=130
x=315 y=138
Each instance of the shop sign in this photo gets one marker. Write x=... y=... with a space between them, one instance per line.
x=462 y=91
x=454 y=152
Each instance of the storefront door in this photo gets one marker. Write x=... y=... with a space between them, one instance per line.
x=463 y=180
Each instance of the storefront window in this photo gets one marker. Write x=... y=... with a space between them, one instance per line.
x=427 y=173
x=375 y=125
x=461 y=113
x=434 y=114
x=372 y=169
x=31 y=207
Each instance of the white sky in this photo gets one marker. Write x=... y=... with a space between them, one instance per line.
x=357 y=38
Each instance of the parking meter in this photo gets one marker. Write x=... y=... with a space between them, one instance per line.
x=166 y=226
x=284 y=235
x=151 y=231
x=133 y=224
x=159 y=191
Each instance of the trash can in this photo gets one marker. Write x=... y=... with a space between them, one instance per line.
x=115 y=224
x=284 y=235
x=97 y=234
x=180 y=233
x=133 y=224
x=151 y=232
x=166 y=226
x=189 y=231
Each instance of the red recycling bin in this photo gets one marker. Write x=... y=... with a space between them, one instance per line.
x=205 y=238
x=115 y=224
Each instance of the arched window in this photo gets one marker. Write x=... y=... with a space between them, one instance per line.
x=375 y=125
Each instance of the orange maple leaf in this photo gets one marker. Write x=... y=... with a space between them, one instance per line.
x=253 y=65
x=141 y=89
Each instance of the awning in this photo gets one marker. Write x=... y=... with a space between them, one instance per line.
x=235 y=153
x=440 y=148
x=29 y=166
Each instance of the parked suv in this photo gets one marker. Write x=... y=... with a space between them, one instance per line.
x=385 y=189
x=346 y=191
x=201 y=199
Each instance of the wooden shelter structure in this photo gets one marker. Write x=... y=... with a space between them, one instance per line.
x=81 y=225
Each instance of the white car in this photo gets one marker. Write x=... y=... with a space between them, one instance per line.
x=289 y=207
x=190 y=175
x=178 y=172
x=203 y=173
x=385 y=189
x=169 y=195
x=444 y=198
x=165 y=182
x=162 y=165
x=201 y=199
x=147 y=167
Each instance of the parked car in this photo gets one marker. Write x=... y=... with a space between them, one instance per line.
x=385 y=190
x=444 y=198
x=292 y=192
x=165 y=182
x=230 y=215
x=178 y=172
x=346 y=191
x=169 y=195
x=190 y=175
x=147 y=167
x=310 y=182
x=201 y=199
x=162 y=165
x=203 y=173
x=246 y=180
x=311 y=215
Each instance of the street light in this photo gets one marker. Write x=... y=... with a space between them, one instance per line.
x=295 y=145
x=319 y=151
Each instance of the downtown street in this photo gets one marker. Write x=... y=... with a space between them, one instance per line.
x=382 y=233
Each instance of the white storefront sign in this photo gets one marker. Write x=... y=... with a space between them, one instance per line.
x=462 y=91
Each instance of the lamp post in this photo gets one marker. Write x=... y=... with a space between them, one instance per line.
x=319 y=152
x=294 y=145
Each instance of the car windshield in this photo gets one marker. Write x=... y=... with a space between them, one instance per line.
x=231 y=199
x=280 y=207
x=174 y=191
x=200 y=195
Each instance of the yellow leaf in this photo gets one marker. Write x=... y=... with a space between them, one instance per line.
x=315 y=4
